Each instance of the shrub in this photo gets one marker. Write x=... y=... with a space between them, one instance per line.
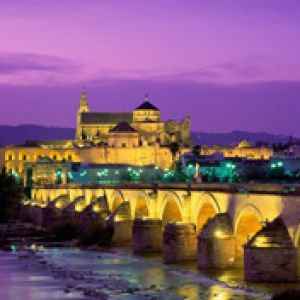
x=11 y=194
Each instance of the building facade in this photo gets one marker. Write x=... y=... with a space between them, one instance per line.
x=243 y=150
x=145 y=119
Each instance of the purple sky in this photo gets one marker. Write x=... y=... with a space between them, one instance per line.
x=233 y=64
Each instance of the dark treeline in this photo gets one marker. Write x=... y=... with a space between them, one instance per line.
x=11 y=194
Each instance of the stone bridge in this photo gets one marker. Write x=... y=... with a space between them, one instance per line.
x=223 y=225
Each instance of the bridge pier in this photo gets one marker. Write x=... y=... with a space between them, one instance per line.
x=270 y=256
x=122 y=225
x=25 y=213
x=122 y=233
x=147 y=235
x=92 y=214
x=180 y=242
x=36 y=214
x=51 y=217
x=216 y=244
x=69 y=215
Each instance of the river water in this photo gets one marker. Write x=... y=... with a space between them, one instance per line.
x=71 y=273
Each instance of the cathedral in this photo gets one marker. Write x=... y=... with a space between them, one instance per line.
x=137 y=138
x=143 y=125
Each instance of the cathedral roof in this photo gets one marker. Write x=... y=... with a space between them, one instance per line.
x=105 y=118
x=244 y=144
x=146 y=106
x=123 y=127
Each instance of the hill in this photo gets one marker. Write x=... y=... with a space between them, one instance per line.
x=19 y=134
x=234 y=137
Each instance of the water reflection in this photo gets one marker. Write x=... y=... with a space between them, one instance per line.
x=153 y=277
x=191 y=292
x=220 y=293
x=118 y=274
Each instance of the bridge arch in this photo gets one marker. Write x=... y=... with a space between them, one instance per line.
x=59 y=202
x=171 y=208
x=117 y=198
x=206 y=208
x=142 y=207
x=79 y=204
x=100 y=205
x=247 y=223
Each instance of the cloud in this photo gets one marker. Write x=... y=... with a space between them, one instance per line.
x=14 y=63
x=241 y=69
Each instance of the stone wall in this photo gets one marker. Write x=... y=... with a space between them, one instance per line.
x=270 y=264
x=180 y=242
x=147 y=235
x=216 y=253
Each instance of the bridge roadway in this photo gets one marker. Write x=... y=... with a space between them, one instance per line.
x=224 y=217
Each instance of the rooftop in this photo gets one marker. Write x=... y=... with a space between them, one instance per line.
x=147 y=106
x=123 y=127
x=106 y=117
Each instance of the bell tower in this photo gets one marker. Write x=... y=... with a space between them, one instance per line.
x=83 y=107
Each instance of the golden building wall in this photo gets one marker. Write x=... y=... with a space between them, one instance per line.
x=146 y=115
x=263 y=153
x=95 y=132
x=121 y=140
x=14 y=158
x=159 y=156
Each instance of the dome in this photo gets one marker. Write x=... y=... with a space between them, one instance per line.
x=123 y=127
x=244 y=144
x=147 y=106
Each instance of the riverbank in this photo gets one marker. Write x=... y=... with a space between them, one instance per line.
x=44 y=257
x=113 y=274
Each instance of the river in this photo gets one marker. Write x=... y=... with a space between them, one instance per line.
x=71 y=273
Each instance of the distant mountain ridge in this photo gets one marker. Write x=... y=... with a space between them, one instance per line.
x=19 y=134
x=234 y=137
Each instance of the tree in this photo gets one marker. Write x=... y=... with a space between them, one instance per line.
x=11 y=195
x=196 y=151
x=174 y=148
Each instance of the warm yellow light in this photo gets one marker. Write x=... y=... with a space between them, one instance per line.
x=96 y=208
x=261 y=241
x=79 y=208
x=58 y=205
x=219 y=234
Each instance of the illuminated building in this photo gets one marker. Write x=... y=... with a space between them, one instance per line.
x=138 y=138
x=243 y=150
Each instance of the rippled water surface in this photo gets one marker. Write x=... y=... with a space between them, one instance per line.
x=117 y=274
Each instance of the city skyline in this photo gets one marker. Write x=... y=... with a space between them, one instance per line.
x=233 y=66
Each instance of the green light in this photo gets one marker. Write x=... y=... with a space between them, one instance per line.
x=273 y=166
x=228 y=165
x=280 y=164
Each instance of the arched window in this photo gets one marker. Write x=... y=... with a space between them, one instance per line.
x=10 y=156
